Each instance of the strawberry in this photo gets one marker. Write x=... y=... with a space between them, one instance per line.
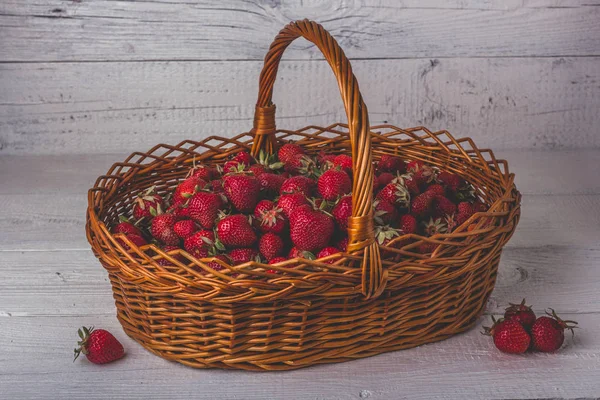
x=232 y=166
x=479 y=206
x=204 y=207
x=328 y=251
x=288 y=151
x=384 y=212
x=436 y=189
x=509 y=336
x=162 y=229
x=126 y=227
x=345 y=162
x=434 y=226
x=408 y=224
x=421 y=205
x=385 y=234
x=310 y=229
x=465 y=211
x=145 y=203
x=521 y=313
x=548 y=333
x=297 y=253
x=202 y=172
x=180 y=210
x=333 y=184
x=243 y=157
x=243 y=255
x=187 y=189
x=236 y=231
x=300 y=184
x=301 y=164
x=395 y=193
x=98 y=345
x=217 y=186
x=137 y=240
x=424 y=176
x=277 y=260
x=442 y=206
x=271 y=246
x=271 y=218
x=414 y=166
x=258 y=169
x=214 y=264
x=452 y=181
x=342 y=244
x=184 y=228
x=384 y=179
x=242 y=190
x=393 y=164
x=202 y=240
x=289 y=202
x=409 y=183
x=342 y=211
x=271 y=183
x=325 y=159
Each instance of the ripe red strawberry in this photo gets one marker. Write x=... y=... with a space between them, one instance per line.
x=242 y=190
x=385 y=234
x=201 y=240
x=271 y=218
x=145 y=203
x=204 y=207
x=325 y=158
x=434 y=226
x=137 y=240
x=203 y=172
x=424 y=176
x=427 y=248
x=521 y=313
x=410 y=183
x=300 y=184
x=288 y=151
x=258 y=169
x=301 y=164
x=232 y=166
x=240 y=256
x=384 y=179
x=243 y=157
x=162 y=229
x=393 y=164
x=395 y=193
x=180 y=210
x=310 y=229
x=465 y=211
x=271 y=246
x=333 y=184
x=452 y=181
x=217 y=186
x=328 y=251
x=414 y=166
x=509 y=336
x=184 y=228
x=342 y=211
x=442 y=206
x=297 y=253
x=408 y=224
x=342 y=244
x=271 y=183
x=548 y=333
x=344 y=161
x=236 y=231
x=289 y=202
x=421 y=205
x=187 y=189
x=126 y=227
x=98 y=345
x=384 y=212
x=436 y=189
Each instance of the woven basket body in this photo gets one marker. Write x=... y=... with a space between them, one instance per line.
x=373 y=299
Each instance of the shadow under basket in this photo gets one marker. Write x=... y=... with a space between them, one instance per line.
x=371 y=300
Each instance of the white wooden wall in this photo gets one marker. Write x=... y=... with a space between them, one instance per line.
x=82 y=76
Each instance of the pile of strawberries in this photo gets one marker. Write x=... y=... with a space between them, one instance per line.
x=520 y=330
x=292 y=205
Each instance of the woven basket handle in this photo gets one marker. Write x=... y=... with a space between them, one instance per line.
x=360 y=226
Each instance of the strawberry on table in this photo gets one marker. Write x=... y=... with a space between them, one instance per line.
x=520 y=313
x=98 y=345
x=509 y=336
x=548 y=332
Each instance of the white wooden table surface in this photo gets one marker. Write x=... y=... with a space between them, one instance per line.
x=51 y=284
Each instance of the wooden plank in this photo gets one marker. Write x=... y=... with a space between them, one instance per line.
x=37 y=361
x=73 y=283
x=67 y=108
x=556 y=172
x=54 y=30
x=56 y=222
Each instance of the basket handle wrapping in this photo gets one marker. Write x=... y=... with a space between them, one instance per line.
x=361 y=236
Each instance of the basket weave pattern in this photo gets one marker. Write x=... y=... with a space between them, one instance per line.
x=373 y=299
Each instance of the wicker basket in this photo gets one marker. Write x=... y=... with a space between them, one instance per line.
x=310 y=312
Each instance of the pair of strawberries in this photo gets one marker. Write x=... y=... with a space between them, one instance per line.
x=520 y=330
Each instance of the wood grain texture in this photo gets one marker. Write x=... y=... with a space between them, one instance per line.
x=54 y=30
x=466 y=366
x=71 y=108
